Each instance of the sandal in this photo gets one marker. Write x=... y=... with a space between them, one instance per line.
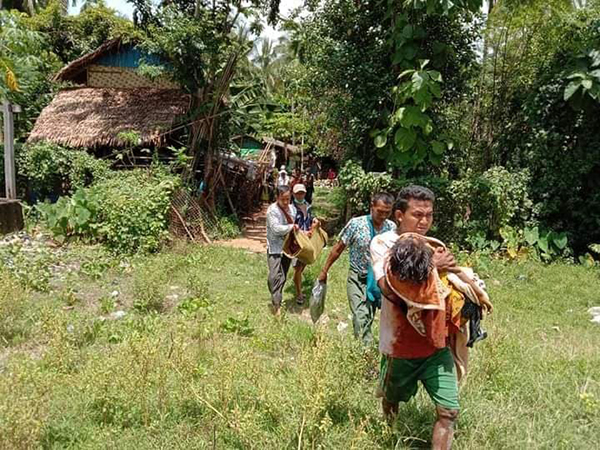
x=300 y=299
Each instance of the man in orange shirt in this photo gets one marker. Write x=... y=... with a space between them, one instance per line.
x=407 y=356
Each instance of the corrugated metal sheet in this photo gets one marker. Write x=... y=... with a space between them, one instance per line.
x=128 y=56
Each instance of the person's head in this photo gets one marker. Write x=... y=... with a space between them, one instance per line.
x=299 y=192
x=413 y=209
x=283 y=172
x=411 y=260
x=283 y=196
x=381 y=207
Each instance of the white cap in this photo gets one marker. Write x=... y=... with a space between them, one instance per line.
x=282 y=168
x=299 y=188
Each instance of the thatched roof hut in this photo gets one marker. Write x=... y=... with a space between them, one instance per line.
x=112 y=97
x=78 y=67
x=93 y=117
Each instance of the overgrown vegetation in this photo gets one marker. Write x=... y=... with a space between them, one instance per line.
x=127 y=211
x=204 y=369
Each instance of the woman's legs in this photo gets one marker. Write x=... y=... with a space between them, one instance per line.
x=298 y=269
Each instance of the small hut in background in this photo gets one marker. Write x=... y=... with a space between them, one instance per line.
x=109 y=101
x=277 y=153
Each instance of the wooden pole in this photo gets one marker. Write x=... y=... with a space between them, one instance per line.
x=302 y=155
x=10 y=180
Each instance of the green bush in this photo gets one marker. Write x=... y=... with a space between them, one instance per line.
x=360 y=185
x=149 y=290
x=127 y=211
x=229 y=227
x=491 y=201
x=72 y=216
x=133 y=209
x=50 y=168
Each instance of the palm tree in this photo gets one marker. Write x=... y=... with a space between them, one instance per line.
x=264 y=59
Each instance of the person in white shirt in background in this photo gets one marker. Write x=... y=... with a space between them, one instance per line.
x=283 y=179
x=280 y=221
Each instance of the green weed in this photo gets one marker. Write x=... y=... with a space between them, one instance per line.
x=218 y=371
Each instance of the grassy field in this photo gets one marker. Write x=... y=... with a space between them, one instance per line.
x=197 y=361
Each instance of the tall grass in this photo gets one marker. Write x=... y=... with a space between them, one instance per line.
x=210 y=368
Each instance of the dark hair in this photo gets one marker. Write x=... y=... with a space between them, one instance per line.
x=413 y=192
x=282 y=190
x=410 y=260
x=382 y=197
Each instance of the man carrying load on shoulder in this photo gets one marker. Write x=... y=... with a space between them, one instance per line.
x=280 y=221
x=357 y=236
x=407 y=355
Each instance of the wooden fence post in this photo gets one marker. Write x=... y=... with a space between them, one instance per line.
x=10 y=179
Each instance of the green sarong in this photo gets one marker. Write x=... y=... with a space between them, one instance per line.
x=398 y=378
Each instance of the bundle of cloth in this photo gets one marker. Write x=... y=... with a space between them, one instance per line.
x=447 y=307
x=305 y=246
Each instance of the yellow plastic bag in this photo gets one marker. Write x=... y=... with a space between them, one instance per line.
x=297 y=244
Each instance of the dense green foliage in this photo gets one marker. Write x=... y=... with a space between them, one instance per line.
x=70 y=37
x=354 y=54
x=26 y=60
x=127 y=211
x=52 y=169
x=512 y=139
x=554 y=131
x=133 y=209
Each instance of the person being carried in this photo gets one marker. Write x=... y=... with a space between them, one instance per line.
x=407 y=356
x=446 y=307
x=357 y=235
x=280 y=221
x=306 y=223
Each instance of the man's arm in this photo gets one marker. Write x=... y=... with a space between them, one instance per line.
x=389 y=294
x=335 y=253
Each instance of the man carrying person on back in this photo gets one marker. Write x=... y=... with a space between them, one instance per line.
x=357 y=235
x=407 y=356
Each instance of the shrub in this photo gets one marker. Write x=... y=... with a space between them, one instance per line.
x=133 y=209
x=72 y=216
x=229 y=227
x=491 y=201
x=360 y=185
x=52 y=169
x=127 y=211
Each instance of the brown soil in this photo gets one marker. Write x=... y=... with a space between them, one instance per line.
x=254 y=236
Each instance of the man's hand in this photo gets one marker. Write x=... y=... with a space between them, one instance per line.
x=322 y=277
x=444 y=260
x=296 y=227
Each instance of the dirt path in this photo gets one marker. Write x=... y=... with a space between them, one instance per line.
x=254 y=236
